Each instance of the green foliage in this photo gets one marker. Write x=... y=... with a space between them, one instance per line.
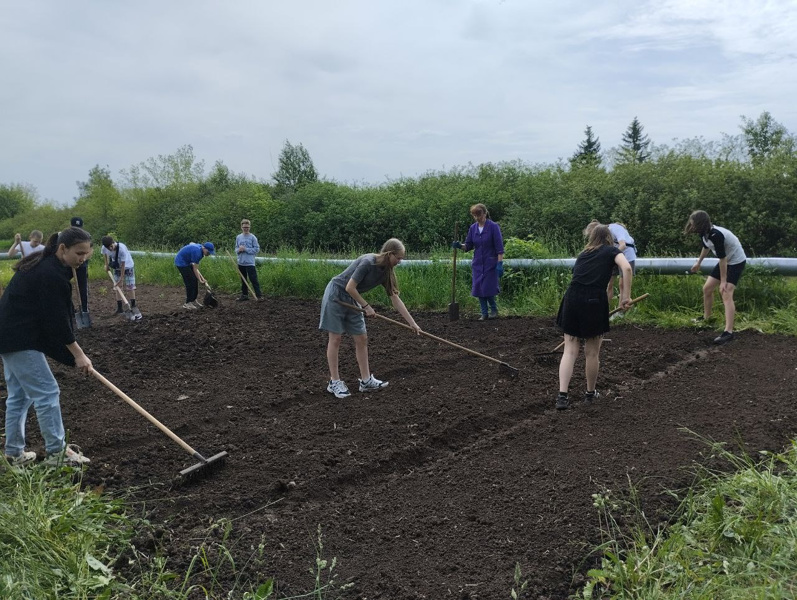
x=295 y=170
x=588 y=153
x=16 y=199
x=169 y=201
x=635 y=148
x=528 y=248
x=765 y=137
x=734 y=536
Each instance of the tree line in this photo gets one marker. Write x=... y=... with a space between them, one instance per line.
x=747 y=183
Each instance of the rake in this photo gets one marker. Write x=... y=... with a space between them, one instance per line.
x=244 y=279
x=504 y=367
x=204 y=467
x=614 y=312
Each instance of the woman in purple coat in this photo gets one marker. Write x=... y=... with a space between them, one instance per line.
x=484 y=236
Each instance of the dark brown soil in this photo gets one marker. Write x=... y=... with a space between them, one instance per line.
x=432 y=488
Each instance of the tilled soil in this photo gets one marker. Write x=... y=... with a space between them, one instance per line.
x=435 y=487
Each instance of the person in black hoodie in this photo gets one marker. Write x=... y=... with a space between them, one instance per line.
x=36 y=322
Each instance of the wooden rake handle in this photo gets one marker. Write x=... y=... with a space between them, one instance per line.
x=244 y=279
x=144 y=413
x=615 y=311
x=434 y=337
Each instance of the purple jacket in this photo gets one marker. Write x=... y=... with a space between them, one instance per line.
x=488 y=245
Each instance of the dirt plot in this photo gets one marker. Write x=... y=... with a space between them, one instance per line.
x=432 y=488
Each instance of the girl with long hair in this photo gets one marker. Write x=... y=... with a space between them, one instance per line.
x=725 y=275
x=36 y=314
x=584 y=310
x=365 y=273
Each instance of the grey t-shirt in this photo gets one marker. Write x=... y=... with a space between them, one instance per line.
x=364 y=271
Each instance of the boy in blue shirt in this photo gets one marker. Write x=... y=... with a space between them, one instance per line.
x=186 y=262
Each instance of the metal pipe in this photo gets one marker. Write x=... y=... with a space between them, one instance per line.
x=661 y=266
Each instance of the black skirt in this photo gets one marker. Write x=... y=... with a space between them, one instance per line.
x=584 y=312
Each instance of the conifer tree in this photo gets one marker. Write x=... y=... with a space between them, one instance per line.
x=588 y=153
x=635 y=148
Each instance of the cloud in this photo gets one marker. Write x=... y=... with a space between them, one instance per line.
x=375 y=89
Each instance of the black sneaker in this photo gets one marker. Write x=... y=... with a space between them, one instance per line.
x=562 y=402
x=590 y=396
x=243 y=298
x=723 y=338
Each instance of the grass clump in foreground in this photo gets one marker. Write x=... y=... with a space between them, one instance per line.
x=60 y=540
x=735 y=537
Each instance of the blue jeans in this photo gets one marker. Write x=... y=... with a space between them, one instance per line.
x=484 y=300
x=30 y=382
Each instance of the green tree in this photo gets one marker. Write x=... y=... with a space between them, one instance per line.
x=764 y=137
x=98 y=201
x=177 y=170
x=296 y=168
x=16 y=198
x=588 y=153
x=635 y=148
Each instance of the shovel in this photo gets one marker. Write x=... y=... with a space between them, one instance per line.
x=453 y=308
x=614 y=312
x=504 y=367
x=82 y=318
x=244 y=279
x=203 y=467
x=128 y=312
x=209 y=300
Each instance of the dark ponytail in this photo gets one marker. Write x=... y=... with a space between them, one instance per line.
x=68 y=237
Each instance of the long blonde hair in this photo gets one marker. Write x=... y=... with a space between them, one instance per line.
x=392 y=247
x=600 y=235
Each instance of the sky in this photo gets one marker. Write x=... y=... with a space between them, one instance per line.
x=375 y=90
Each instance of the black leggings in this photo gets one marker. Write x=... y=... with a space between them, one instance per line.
x=191 y=283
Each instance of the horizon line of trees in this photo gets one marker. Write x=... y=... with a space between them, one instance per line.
x=747 y=183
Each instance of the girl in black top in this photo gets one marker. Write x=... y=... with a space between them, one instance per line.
x=35 y=322
x=584 y=311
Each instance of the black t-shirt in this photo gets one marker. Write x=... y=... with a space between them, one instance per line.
x=594 y=268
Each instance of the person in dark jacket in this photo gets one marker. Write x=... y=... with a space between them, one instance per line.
x=36 y=322
x=487 y=265
x=584 y=310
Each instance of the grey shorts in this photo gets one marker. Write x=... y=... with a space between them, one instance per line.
x=339 y=319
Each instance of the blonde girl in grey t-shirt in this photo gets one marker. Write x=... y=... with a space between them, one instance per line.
x=365 y=273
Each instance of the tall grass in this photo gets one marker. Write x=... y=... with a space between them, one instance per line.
x=734 y=537
x=764 y=302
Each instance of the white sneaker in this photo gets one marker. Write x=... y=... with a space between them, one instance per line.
x=71 y=456
x=338 y=388
x=189 y=306
x=198 y=304
x=26 y=458
x=372 y=384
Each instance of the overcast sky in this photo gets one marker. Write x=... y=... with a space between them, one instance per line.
x=375 y=89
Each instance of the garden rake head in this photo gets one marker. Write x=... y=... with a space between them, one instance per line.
x=204 y=468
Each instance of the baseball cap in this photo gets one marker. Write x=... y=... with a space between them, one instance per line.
x=210 y=247
x=76 y=222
